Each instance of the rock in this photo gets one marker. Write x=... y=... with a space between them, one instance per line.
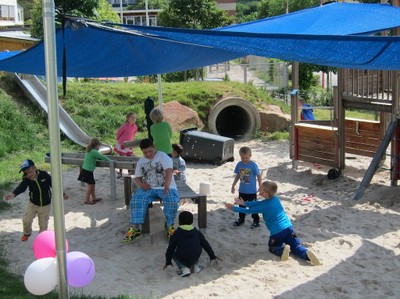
x=273 y=119
x=180 y=116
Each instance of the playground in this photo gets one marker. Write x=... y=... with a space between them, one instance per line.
x=358 y=242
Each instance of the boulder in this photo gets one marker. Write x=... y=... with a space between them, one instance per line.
x=180 y=116
x=273 y=119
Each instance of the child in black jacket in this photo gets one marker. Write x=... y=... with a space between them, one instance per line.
x=39 y=183
x=185 y=246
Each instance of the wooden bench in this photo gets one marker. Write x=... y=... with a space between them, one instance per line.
x=118 y=162
x=184 y=191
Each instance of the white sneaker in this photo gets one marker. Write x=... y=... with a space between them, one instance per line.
x=197 y=268
x=285 y=253
x=313 y=258
x=184 y=272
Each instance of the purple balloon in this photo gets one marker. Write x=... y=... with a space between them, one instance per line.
x=80 y=269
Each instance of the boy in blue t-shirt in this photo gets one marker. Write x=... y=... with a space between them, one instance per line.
x=283 y=239
x=248 y=173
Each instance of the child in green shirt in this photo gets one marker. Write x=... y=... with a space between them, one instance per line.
x=88 y=167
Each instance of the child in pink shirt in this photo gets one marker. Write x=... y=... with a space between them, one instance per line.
x=126 y=133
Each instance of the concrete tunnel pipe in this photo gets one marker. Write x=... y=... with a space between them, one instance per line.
x=235 y=118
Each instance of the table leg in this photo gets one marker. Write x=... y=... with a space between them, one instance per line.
x=127 y=189
x=146 y=224
x=202 y=211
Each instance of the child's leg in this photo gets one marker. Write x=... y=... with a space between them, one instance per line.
x=28 y=217
x=43 y=217
x=93 y=192
x=295 y=245
x=139 y=202
x=89 y=188
x=171 y=200
x=275 y=245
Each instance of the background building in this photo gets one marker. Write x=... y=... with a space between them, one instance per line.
x=11 y=13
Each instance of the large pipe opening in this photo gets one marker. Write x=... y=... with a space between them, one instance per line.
x=234 y=118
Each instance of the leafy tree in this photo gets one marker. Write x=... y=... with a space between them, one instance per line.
x=79 y=8
x=269 y=8
x=105 y=12
x=27 y=6
x=246 y=11
x=152 y=4
x=195 y=14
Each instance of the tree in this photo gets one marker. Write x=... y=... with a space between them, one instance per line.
x=27 y=5
x=152 y=4
x=246 y=11
x=105 y=13
x=87 y=9
x=269 y=8
x=195 y=14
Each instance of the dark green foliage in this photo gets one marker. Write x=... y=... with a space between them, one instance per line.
x=193 y=14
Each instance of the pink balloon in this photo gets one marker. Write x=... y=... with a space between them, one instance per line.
x=80 y=269
x=44 y=245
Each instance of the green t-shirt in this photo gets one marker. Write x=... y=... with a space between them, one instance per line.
x=162 y=134
x=89 y=163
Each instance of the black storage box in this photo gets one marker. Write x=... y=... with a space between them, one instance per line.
x=202 y=146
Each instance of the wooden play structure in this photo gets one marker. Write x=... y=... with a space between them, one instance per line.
x=328 y=142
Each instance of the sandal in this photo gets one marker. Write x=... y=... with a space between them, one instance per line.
x=97 y=199
x=89 y=202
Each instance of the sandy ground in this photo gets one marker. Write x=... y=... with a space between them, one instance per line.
x=358 y=242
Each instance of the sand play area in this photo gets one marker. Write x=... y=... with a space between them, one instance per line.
x=357 y=242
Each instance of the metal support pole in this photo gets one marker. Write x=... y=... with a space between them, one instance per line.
x=55 y=143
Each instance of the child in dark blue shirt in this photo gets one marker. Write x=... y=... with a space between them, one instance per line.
x=185 y=246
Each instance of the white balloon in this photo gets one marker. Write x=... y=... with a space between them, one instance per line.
x=41 y=276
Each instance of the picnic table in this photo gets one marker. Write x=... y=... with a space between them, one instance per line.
x=119 y=162
x=129 y=163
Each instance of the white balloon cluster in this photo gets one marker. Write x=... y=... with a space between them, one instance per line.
x=41 y=276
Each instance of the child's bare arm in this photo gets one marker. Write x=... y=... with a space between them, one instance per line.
x=259 y=178
x=229 y=205
x=239 y=201
x=235 y=180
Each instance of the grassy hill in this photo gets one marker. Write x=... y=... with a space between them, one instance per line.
x=99 y=108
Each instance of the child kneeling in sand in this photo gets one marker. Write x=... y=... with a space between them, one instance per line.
x=185 y=246
x=283 y=239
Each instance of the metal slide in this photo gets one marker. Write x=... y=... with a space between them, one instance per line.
x=37 y=93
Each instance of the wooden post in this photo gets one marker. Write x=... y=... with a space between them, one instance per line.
x=341 y=121
x=292 y=131
x=146 y=224
x=112 y=180
x=202 y=211
x=127 y=189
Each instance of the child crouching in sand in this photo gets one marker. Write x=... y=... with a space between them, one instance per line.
x=283 y=239
x=185 y=247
